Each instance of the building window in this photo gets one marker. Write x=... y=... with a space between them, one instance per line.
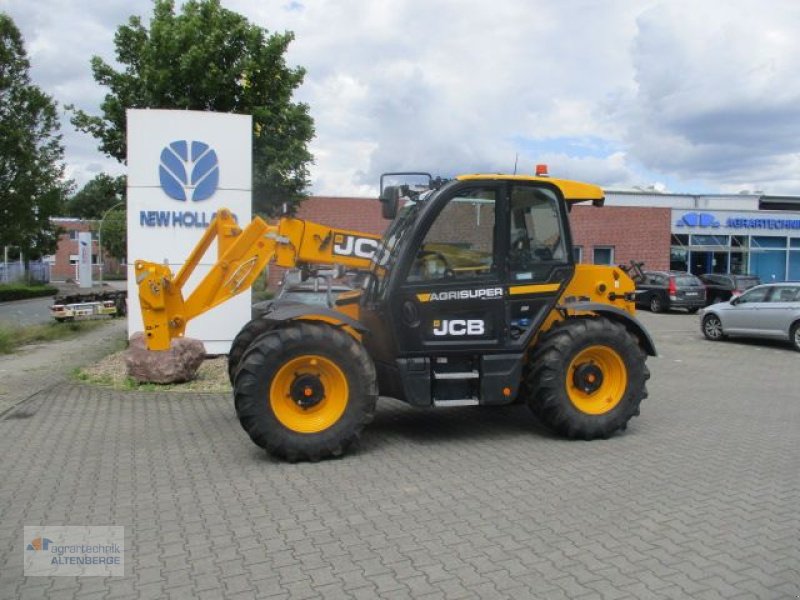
x=577 y=254
x=604 y=255
x=73 y=259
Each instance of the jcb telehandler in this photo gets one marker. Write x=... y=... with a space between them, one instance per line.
x=472 y=298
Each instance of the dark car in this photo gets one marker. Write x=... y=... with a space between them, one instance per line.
x=721 y=288
x=664 y=290
x=315 y=291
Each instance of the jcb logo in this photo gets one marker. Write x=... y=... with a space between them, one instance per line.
x=350 y=245
x=458 y=327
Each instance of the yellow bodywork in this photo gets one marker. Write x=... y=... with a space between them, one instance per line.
x=573 y=191
x=594 y=283
x=242 y=255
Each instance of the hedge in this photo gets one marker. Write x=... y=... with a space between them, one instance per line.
x=15 y=291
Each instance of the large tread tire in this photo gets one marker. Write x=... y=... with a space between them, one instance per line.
x=547 y=377
x=252 y=330
x=263 y=361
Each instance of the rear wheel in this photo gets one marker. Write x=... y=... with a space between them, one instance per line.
x=586 y=378
x=794 y=336
x=712 y=328
x=656 y=305
x=242 y=342
x=305 y=391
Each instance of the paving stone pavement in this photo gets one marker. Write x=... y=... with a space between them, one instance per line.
x=698 y=499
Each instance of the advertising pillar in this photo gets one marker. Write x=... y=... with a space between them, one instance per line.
x=85 y=259
x=183 y=166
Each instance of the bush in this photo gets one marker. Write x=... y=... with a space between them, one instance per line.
x=18 y=291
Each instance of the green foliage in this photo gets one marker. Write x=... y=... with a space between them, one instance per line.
x=115 y=234
x=32 y=188
x=14 y=291
x=96 y=197
x=210 y=58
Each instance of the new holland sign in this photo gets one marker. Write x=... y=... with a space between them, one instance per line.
x=183 y=166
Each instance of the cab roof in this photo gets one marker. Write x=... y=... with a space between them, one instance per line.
x=573 y=191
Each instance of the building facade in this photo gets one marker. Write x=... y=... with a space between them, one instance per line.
x=64 y=263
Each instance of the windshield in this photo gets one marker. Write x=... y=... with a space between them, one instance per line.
x=687 y=281
x=744 y=283
x=385 y=256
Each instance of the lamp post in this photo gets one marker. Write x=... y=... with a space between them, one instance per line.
x=100 y=237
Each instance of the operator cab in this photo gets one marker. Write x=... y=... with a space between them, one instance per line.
x=464 y=277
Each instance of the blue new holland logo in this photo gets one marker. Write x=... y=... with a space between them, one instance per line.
x=698 y=220
x=189 y=171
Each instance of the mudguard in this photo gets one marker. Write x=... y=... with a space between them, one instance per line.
x=314 y=313
x=619 y=315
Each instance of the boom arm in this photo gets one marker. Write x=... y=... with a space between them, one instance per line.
x=242 y=254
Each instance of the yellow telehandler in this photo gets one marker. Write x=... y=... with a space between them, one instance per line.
x=472 y=297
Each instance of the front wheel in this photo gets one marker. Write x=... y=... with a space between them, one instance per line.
x=712 y=328
x=586 y=378
x=305 y=391
x=242 y=342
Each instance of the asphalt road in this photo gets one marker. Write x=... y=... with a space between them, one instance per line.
x=26 y=312
x=697 y=499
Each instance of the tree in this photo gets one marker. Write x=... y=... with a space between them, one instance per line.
x=210 y=58
x=97 y=196
x=115 y=233
x=32 y=188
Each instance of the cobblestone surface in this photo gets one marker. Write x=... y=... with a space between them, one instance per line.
x=698 y=499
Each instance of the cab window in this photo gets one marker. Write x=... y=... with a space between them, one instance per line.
x=536 y=237
x=460 y=242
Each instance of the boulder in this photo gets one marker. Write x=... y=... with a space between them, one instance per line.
x=176 y=365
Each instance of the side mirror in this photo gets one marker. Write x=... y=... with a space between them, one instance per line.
x=390 y=201
x=734 y=300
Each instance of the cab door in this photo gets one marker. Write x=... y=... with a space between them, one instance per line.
x=539 y=262
x=450 y=297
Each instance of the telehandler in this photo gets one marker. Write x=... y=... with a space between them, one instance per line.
x=472 y=297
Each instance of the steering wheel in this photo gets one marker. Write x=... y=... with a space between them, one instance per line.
x=446 y=269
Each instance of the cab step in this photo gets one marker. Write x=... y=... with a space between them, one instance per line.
x=456 y=402
x=456 y=375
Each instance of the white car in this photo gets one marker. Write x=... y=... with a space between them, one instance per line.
x=770 y=311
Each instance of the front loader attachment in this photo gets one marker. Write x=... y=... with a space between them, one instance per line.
x=242 y=254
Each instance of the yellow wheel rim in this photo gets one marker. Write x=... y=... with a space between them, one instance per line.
x=309 y=394
x=596 y=380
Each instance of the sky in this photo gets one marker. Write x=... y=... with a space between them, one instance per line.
x=699 y=96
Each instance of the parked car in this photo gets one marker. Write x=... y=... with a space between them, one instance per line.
x=664 y=290
x=721 y=287
x=315 y=291
x=771 y=310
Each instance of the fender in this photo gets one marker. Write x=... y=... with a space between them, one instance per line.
x=619 y=315
x=302 y=312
